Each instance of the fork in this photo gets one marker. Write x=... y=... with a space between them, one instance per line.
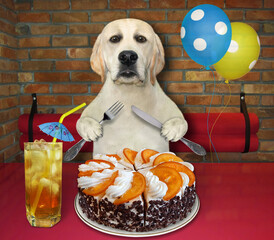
x=108 y=115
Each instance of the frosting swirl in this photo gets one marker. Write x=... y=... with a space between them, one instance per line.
x=121 y=184
x=156 y=188
x=93 y=166
x=95 y=179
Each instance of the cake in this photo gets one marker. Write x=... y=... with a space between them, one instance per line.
x=136 y=191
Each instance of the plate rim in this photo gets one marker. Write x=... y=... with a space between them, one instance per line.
x=122 y=233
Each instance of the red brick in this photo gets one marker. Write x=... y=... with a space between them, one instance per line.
x=172 y=52
x=24 y=77
x=178 y=99
x=10 y=127
x=33 y=17
x=259 y=15
x=8 y=102
x=267 y=40
x=166 y=27
x=8 y=4
x=263 y=64
x=265 y=134
x=234 y=15
x=86 y=28
x=223 y=88
x=235 y=100
x=268 y=27
x=7 y=27
x=72 y=65
x=267 y=76
x=266 y=146
x=79 y=52
x=88 y=4
x=8 y=15
x=194 y=3
x=8 y=77
x=184 y=87
x=183 y=64
x=22 y=54
x=148 y=15
x=170 y=76
x=50 y=4
x=10 y=114
x=127 y=4
x=259 y=88
x=70 y=17
x=176 y=15
x=203 y=100
x=96 y=88
x=9 y=90
x=48 y=53
x=6 y=141
x=34 y=42
x=202 y=76
x=54 y=100
x=167 y=4
x=48 y=29
x=11 y=151
x=268 y=4
x=51 y=77
x=267 y=123
x=219 y=109
x=7 y=52
x=268 y=100
x=85 y=77
x=37 y=65
x=7 y=65
x=251 y=76
x=69 y=88
x=77 y=100
x=103 y=16
x=26 y=100
x=267 y=52
x=8 y=40
x=36 y=88
x=174 y=40
x=262 y=112
x=22 y=6
x=69 y=41
x=243 y=4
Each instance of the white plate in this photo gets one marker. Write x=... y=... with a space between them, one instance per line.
x=118 y=232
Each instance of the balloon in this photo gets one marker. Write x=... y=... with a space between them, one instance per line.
x=242 y=53
x=206 y=34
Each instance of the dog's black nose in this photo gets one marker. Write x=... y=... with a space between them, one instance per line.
x=128 y=57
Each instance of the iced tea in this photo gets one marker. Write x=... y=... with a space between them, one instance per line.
x=43 y=182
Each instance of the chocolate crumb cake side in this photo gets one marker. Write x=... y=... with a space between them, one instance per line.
x=159 y=192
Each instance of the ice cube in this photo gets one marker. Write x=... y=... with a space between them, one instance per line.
x=45 y=182
x=55 y=188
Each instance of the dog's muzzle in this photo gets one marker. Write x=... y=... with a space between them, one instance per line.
x=128 y=67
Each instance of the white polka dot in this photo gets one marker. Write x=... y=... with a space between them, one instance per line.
x=199 y=44
x=221 y=28
x=233 y=47
x=252 y=64
x=197 y=15
x=183 y=32
x=258 y=39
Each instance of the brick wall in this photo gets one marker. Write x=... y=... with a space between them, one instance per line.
x=46 y=44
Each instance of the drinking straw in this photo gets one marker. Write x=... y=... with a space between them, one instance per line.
x=65 y=115
x=41 y=186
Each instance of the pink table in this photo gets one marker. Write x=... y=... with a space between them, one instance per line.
x=237 y=202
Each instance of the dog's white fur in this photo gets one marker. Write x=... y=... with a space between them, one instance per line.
x=143 y=91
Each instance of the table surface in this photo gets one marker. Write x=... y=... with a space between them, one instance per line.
x=236 y=203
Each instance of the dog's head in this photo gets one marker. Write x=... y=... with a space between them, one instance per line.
x=129 y=51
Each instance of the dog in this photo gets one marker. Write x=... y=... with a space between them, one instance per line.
x=128 y=55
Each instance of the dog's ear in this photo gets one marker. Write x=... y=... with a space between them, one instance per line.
x=158 y=59
x=96 y=59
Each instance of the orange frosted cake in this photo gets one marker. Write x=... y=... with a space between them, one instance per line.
x=136 y=191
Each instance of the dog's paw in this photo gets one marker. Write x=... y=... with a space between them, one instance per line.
x=174 y=129
x=89 y=129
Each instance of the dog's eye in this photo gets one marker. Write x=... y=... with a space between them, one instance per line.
x=115 y=39
x=140 y=39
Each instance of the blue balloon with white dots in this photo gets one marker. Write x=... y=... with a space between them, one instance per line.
x=206 y=34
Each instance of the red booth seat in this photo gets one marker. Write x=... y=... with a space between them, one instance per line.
x=228 y=134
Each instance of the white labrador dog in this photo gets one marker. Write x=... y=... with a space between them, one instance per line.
x=128 y=55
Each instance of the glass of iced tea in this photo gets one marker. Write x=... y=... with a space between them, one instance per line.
x=43 y=182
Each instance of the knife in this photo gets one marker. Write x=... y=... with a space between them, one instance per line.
x=196 y=148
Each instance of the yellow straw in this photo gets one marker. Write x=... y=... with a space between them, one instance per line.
x=68 y=113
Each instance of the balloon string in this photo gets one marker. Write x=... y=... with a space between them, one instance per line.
x=207 y=122
x=229 y=98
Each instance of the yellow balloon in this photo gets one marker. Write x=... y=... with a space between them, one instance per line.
x=242 y=53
